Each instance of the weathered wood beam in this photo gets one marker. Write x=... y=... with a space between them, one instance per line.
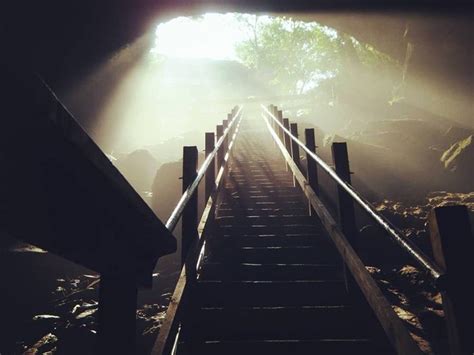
x=190 y=217
x=169 y=331
x=210 y=183
x=453 y=243
x=393 y=326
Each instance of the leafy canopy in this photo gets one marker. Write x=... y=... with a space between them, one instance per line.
x=294 y=56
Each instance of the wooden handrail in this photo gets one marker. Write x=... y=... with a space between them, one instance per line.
x=187 y=195
x=169 y=331
x=396 y=332
x=421 y=258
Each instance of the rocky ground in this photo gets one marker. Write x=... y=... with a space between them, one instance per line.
x=411 y=293
x=66 y=323
x=50 y=306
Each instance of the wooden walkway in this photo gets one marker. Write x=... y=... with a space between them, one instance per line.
x=271 y=281
x=259 y=275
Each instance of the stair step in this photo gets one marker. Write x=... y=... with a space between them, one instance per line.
x=267 y=220
x=258 y=229
x=290 y=347
x=230 y=253
x=271 y=281
x=299 y=211
x=271 y=293
x=283 y=272
x=270 y=240
x=283 y=204
x=302 y=322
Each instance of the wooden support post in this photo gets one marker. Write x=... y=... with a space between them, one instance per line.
x=278 y=127
x=295 y=148
x=312 y=167
x=117 y=315
x=220 y=152
x=347 y=220
x=229 y=120
x=225 y=124
x=211 y=171
x=286 y=124
x=270 y=108
x=287 y=139
x=190 y=217
x=275 y=114
x=453 y=243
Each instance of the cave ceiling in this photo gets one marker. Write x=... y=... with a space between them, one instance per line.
x=65 y=39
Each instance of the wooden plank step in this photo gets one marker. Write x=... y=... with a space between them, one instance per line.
x=291 y=347
x=281 y=255
x=264 y=188
x=269 y=193
x=271 y=293
x=255 y=174
x=263 y=196
x=301 y=322
x=249 y=203
x=241 y=204
x=274 y=211
x=272 y=272
x=268 y=229
x=265 y=184
x=269 y=220
x=270 y=240
x=261 y=183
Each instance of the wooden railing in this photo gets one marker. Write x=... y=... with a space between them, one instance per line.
x=193 y=231
x=450 y=233
x=62 y=194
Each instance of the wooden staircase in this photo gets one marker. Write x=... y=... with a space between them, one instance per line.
x=271 y=281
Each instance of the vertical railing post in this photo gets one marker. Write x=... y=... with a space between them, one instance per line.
x=295 y=148
x=189 y=235
x=270 y=107
x=220 y=152
x=286 y=124
x=275 y=114
x=287 y=139
x=453 y=243
x=280 y=119
x=225 y=124
x=190 y=212
x=229 y=120
x=345 y=203
x=312 y=167
x=211 y=171
x=117 y=314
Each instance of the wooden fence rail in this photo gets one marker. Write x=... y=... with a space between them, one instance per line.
x=226 y=134
x=450 y=233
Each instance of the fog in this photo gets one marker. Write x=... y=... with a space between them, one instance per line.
x=391 y=95
x=396 y=87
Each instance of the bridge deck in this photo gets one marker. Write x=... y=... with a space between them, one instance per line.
x=271 y=281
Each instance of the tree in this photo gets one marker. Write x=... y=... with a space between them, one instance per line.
x=290 y=55
x=294 y=56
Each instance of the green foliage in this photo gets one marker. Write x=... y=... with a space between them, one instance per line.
x=295 y=56
x=289 y=54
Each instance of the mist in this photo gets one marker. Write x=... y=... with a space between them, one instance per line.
x=396 y=87
x=179 y=79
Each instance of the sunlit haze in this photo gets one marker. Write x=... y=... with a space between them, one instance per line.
x=165 y=94
x=211 y=36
